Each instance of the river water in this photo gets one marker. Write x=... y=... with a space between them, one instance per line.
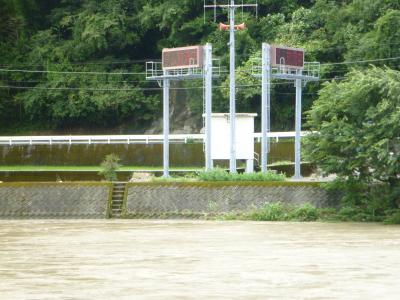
x=133 y=259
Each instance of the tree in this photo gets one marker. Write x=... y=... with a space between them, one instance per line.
x=381 y=42
x=110 y=166
x=117 y=35
x=357 y=125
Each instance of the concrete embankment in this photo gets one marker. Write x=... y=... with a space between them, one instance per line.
x=152 y=199
x=89 y=200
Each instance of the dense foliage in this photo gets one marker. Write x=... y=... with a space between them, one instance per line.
x=358 y=126
x=357 y=137
x=116 y=36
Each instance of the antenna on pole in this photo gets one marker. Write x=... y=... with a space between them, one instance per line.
x=204 y=11
x=206 y=6
x=215 y=11
x=256 y=9
x=242 y=10
x=232 y=27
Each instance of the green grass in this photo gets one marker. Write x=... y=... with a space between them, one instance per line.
x=221 y=175
x=279 y=211
x=30 y=168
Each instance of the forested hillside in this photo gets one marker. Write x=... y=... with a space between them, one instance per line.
x=59 y=57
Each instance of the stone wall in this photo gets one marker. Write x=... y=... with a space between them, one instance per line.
x=201 y=198
x=54 y=200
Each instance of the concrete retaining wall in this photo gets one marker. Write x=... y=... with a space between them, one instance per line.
x=200 y=198
x=153 y=199
x=54 y=200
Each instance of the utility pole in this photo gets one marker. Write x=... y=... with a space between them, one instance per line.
x=265 y=104
x=232 y=83
x=297 y=168
x=166 y=125
x=232 y=88
x=208 y=71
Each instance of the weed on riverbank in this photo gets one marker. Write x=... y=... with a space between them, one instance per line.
x=221 y=175
x=279 y=211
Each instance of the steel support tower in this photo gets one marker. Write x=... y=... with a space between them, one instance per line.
x=155 y=72
x=266 y=72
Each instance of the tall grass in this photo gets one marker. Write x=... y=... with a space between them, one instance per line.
x=218 y=174
x=279 y=211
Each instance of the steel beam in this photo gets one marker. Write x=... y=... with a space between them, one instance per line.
x=265 y=105
x=297 y=158
x=232 y=89
x=208 y=103
x=166 y=127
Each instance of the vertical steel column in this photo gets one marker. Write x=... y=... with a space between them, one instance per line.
x=208 y=94
x=232 y=89
x=166 y=125
x=297 y=168
x=265 y=104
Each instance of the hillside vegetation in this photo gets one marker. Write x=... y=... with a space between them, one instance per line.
x=70 y=37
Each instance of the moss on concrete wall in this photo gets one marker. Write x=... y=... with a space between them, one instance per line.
x=54 y=200
x=184 y=199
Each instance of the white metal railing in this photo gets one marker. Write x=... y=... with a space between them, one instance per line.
x=120 y=139
x=154 y=70
x=311 y=70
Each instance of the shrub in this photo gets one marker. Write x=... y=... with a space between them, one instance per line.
x=109 y=167
x=305 y=213
x=357 y=214
x=347 y=213
x=393 y=218
x=270 y=212
x=218 y=174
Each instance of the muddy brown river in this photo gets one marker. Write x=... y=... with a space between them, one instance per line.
x=133 y=259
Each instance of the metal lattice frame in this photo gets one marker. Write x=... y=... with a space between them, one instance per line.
x=155 y=72
x=261 y=68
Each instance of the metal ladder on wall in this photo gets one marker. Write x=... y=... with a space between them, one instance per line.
x=117 y=199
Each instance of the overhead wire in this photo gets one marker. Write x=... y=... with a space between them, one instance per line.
x=139 y=61
x=143 y=73
x=139 y=89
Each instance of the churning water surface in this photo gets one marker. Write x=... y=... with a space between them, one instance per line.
x=133 y=259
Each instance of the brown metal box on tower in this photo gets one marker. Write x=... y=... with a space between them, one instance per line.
x=182 y=58
x=287 y=57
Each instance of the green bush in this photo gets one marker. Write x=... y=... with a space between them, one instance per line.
x=218 y=174
x=270 y=212
x=347 y=213
x=305 y=213
x=394 y=218
x=110 y=166
x=362 y=202
x=357 y=214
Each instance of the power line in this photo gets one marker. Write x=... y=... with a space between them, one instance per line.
x=137 y=89
x=11 y=82
x=111 y=89
x=64 y=81
x=148 y=89
x=71 y=72
x=143 y=73
x=361 y=61
x=121 y=62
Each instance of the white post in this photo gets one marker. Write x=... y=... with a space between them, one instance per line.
x=297 y=168
x=232 y=89
x=265 y=104
x=208 y=102
x=166 y=125
x=249 y=165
